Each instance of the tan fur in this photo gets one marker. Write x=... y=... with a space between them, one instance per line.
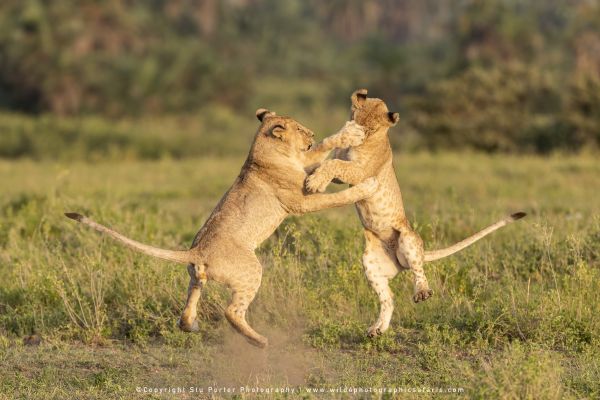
x=391 y=244
x=269 y=187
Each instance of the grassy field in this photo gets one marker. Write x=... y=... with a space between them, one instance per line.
x=514 y=316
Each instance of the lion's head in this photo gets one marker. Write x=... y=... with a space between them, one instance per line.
x=372 y=113
x=284 y=132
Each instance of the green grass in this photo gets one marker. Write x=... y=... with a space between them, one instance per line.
x=214 y=131
x=514 y=316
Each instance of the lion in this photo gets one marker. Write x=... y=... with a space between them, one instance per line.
x=391 y=244
x=269 y=187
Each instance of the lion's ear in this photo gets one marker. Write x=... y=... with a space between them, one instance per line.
x=261 y=113
x=359 y=97
x=278 y=130
x=393 y=117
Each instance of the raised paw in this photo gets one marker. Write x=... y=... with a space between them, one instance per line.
x=352 y=134
x=317 y=182
x=422 y=295
x=374 y=331
x=259 y=341
x=188 y=327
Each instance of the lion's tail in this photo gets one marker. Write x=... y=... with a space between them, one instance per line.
x=437 y=254
x=170 y=255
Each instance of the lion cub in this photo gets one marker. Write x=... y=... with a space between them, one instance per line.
x=269 y=187
x=391 y=244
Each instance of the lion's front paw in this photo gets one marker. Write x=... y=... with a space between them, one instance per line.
x=317 y=182
x=352 y=134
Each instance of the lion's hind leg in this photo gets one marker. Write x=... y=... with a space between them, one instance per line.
x=244 y=287
x=410 y=251
x=188 y=321
x=380 y=265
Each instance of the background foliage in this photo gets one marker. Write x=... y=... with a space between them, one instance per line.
x=496 y=75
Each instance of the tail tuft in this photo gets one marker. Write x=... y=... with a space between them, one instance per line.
x=518 y=215
x=75 y=216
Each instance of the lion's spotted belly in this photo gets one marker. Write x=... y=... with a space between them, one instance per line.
x=376 y=214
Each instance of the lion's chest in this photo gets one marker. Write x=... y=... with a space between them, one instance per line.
x=247 y=214
x=376 y=214
x=379 y=212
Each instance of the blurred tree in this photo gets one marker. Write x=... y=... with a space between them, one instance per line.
x=583 y=110
x=509 y=108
